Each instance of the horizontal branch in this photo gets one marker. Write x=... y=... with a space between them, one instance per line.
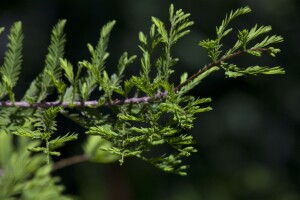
x=80 y=104
x=134 y=100
x=70 y=161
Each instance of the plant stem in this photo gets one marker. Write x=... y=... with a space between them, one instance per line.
x=80 y=104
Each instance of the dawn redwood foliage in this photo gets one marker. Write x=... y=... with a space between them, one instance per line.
x=147 y=112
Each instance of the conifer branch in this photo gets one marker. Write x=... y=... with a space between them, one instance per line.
x=130 y=130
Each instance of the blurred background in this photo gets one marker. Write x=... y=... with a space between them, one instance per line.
x=249 y=145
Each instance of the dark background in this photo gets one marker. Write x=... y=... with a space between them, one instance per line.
x=248 y=146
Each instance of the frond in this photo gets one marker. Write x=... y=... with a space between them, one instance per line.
x=43 y=84
x=13 y=59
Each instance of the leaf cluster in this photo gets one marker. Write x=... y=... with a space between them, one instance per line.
x=138 y=134
x=242 y=45
x=45 y=126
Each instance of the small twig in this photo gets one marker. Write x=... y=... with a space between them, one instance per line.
x=217 y=63
x=70 y=161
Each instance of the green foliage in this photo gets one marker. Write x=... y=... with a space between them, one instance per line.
x=45 y=127
x=12 y=61
x=196 y=81
x=151 y=125
x=23 y=175
x=233 y=71
x=214 y=46
x=1 y=29
x=245 y=37
x=95 y=154
x=43 y=85
x=179 y=22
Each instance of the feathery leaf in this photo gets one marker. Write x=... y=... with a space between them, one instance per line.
x=13 y=59
x=43 y=84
